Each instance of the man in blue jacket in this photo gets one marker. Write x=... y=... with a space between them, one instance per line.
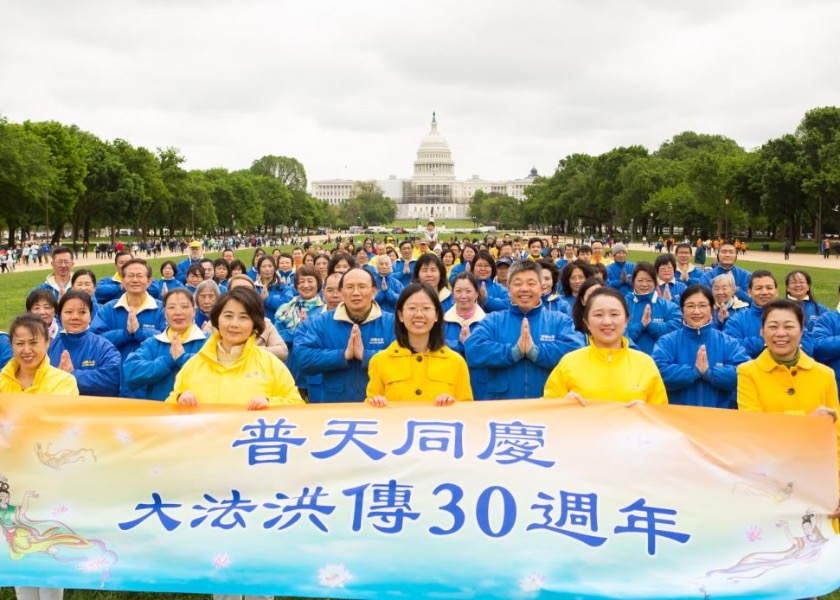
x=110 y=287
x=193 y=259
x=520 y=346
x=727 y=255
x=62 y=271
x=132 y=318
x=745 y=325
x=339 y=344
x=404 y=266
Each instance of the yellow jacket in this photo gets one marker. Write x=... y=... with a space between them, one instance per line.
x=48 y=380
x=765 y=386
x=603 y=374
x=398 y=374
x=256 y=372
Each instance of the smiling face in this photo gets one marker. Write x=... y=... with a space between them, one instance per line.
x=525 y=290
x=797 y=286
x=75 y=316
x=782 y=333
x=135 y=279
x=180 y=312
x=28 y=348
x=643 y=283
x=357 y=292
x=85 y=284
x=332 y=295
x=235 y=324
x=307 y=287
x=465 y=295
x=762 y=290
x=606 y=320
x=546 y=281
x=45 y=310
x=418 y=314
x=62 y=266
x=429 y=273
x=482 y=269
x=727 y=256
x=722 y=292
x=697 y=310
x=666 y=272
x=683 y=256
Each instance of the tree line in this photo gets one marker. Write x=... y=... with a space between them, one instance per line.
x=697 y=183
x=55 y=176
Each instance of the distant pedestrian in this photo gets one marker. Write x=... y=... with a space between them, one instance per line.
x=786 y=249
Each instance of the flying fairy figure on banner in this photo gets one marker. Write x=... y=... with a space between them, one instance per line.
x=804 y=548
x=28 y=536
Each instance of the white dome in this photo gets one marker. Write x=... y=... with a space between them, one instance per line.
x=434 y=159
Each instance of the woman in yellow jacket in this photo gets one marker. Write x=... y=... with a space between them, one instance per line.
x=29 y=371
x=230 y=368
x=418 y=365
x=606 y=369
x=783 y=379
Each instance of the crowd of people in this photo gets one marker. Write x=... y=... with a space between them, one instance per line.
x=430 y=321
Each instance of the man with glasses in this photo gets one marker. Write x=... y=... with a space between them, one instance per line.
x=339 y=344
x=133 y=317
x=62 y=270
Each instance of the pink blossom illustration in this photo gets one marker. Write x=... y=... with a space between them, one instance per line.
x=334 y=576
x=222 y=560
x=72 y=433
x=6 y=427
x=95 y=565
x=59 y=510
x=532 y=582
x=754 y=533
x=123 y=436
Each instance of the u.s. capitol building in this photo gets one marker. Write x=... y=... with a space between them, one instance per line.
x=433 y=190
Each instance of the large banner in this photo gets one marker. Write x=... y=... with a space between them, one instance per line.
x=489 y=499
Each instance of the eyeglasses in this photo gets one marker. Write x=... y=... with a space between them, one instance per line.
x=362 y=287
x=63 y=263
x=693 y=307
x=130 y=276
x=414 y=310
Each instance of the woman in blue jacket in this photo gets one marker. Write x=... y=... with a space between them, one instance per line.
x=698 y=362
x=492 y=296
x=459 y=322
x=798 y=289
x=651 y=316
x=272 y=291
x=152 y=368
x=90 y=358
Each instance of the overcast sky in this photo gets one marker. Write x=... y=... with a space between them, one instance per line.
x=348 y=87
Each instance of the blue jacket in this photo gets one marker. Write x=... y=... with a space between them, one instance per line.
x=287 y=278
x=108 y=289
x=50 y=284
x=111 y=323
x=498 y=297
x=742 y=280
x=557 y=303
x=320 y=349
x=665 y=317
x=452 y=336
x=492 y=346
x=459 y=268
x=826 y=336
x=399 y=266
x=183 y=267
x=813 y=311
x=675 y=354
x=156 y=289
x=5 y=349
x=96 y=362
x=387 y=299
x=675 y=288
x=614 y=270
x=278 y=293
x=288 y=336
x=745 y=326
x=150 y=371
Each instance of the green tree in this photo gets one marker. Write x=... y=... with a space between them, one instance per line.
x=26 y=175
x=368 y=205
x=288 y=170
x=100 y=201
x=69 y=168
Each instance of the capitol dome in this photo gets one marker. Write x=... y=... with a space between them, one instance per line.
x=434 y=158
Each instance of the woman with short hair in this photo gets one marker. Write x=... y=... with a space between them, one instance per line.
x=222 y=370
x=651 y=316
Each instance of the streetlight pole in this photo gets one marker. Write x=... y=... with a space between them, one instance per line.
x=671 y=219
x=631 y=231
x=652 y=227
